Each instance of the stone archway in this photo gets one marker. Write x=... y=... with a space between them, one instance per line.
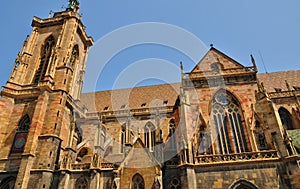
x=242 y=184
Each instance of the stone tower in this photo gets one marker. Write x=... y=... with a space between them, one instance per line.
x=37 y=124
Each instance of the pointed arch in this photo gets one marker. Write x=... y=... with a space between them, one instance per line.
x=74 y=56
x=8 y=183
x=21 y=134
x=175 y=183
x=46 y=53
x=172 y=137
x=286 y=118
x=242 y=184
x=149 y=136
x=228 y=123
x=81 y=183
x=137 y=182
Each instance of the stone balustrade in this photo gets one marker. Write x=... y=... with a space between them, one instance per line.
x=239 y=157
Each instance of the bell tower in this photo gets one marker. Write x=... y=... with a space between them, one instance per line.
x=39 y=100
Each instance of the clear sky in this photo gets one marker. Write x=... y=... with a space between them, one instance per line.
x=268 y=29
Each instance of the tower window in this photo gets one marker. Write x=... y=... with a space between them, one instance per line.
x=106 y=108
x=46 y=52
x=74 y=56
x=143 y=105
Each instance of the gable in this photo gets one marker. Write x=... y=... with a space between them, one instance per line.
x=214 y=56
x=139 y=157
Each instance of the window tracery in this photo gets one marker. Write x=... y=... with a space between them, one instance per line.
x=138 y=182
x=175 y=183
x=81 y=183
x=149 y=134
x=227 y=118
x=46 y=53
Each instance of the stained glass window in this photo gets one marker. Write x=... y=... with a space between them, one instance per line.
x=229 y=125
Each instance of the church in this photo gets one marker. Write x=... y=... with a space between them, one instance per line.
x=223 y=126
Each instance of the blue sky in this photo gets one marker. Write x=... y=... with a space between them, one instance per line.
x=237 y=28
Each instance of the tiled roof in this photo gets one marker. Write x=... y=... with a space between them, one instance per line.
x=277 y=80
x=166 y=94
x=139 y=97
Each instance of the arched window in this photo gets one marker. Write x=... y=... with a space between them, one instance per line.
x=21 y=135
x=46 y=53
x=81 y=183
x=228 y=121
x=123 y=138
x=172 y=137
x=74 y=56
x=137 y=182
x=286 y=118
x=149 y=134
x=175 y=183
x=243 y=184
x=8 y=183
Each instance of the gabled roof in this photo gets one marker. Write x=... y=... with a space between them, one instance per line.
x=145 y=158
x=214 y=56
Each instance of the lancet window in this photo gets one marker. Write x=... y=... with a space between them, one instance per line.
x=149 y=135
x=46 y=52
x=138 y=182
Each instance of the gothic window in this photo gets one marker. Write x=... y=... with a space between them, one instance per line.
x=149 y=134
x=74 y=56
x=228 y=121
x=81 y=183
x=21 y=135
x=172 y=137
x=175 y=183
x=243 y=184
x=286 y=119
x=138 y=182
x=46 y=53
x=8 y=183
x=123 y=137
